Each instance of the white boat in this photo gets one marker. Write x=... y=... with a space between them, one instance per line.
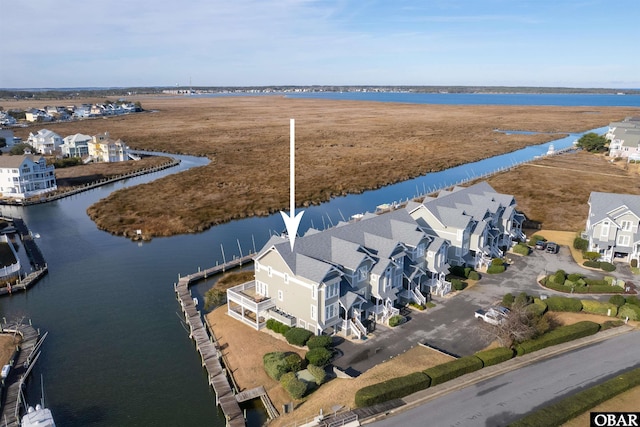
x=37 y=417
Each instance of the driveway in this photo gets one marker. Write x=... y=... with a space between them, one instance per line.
x=451 y=326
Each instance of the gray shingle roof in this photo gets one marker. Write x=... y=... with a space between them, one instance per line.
x=603 y=203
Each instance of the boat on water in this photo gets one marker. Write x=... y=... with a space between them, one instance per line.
x=37 y=417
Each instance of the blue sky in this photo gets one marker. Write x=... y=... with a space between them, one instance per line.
x=70 y=43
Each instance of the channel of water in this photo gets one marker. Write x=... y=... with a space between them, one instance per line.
x=117 y=352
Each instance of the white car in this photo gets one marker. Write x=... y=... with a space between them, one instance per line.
x=490 y=315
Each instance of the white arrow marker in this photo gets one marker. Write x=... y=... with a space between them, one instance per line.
x=292 y=221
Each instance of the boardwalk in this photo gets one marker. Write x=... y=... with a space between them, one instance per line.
x=12 y=401
x=206 y=345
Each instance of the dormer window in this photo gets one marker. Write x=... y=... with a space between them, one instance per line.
x=362 y=273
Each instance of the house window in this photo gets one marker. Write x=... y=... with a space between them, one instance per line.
x=362 y=274
x=330 y=311
x=313 y=312
x=605 y=229
x=623 y=240
x=261 y=288
x=286 y=278
x=280 y=296
x=626 y=225
x=270 y=271
x=314 y=292
x=332 y=290
x=420 y=250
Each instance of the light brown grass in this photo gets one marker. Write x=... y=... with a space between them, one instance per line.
x=8 y=343
x=342 y=147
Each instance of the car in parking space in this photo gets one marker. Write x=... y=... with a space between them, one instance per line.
x=541 y=245
x=552 y=248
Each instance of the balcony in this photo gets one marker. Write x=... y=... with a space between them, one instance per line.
x=246 y=305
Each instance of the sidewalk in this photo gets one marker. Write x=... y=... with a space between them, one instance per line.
x=424 y=396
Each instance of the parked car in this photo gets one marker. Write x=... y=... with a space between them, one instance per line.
x=490 y=315
x=552 y=248
x=541 y=244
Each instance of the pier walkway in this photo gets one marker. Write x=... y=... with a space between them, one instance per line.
x=21 y=367
x=206 y=344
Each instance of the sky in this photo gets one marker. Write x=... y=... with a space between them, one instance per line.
x=127 y=43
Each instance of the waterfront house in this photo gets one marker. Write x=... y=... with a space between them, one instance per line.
x=102 y=148
x=76 y=145
x=25 y=176
x=343 y=279
x=624 y=138
x=612 y=226
x=45 y=141
x=479 y=223
x=37 y=115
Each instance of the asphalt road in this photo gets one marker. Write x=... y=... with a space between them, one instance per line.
x=506 y=398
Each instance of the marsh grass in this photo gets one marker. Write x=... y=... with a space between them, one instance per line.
x=341 y=147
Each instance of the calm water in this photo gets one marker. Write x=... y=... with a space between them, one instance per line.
x=117 y=353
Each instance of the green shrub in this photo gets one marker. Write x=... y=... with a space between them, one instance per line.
x=535 y=238
x=507 y=300
x=298 y=336
x=630 y=311
x=495 y=269
x=271 y=324
x=396 y=320
x=474 y=275
x=295 y=387
x=458 y=284
x=450 y=370
x=319 y=341
x=538 y=307
x=523 y=299
x=319 y=374
x=580 y=244
x=394 y=388
x=607 y=266
x=633 y=300
x=283 y=329
x=494 y=356
x=611 y=324
x=609 y=279
x=591 y=256
x=558 y=303
x=294 y=362
x=617 y=300
x=592 y=264
x=568 y=408
x=274 y=364
x=417 y=306
x=467 y=271
x=277 y=327
x=497 y=261
x=597 y=307
x=604 y=289
x=559 y=277
x=558 y=336
x=318 y=356
x=521 y=249
x=457 y=270
x=574 y=277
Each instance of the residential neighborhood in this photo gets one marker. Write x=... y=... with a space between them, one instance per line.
x=51 y=113
x=349 y=277
x=624 y=139
x=26 y=176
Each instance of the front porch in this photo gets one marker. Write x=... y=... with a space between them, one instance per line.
x=248 y=306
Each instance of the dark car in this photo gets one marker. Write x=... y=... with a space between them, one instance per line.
x=541 y=244
x=552 y=248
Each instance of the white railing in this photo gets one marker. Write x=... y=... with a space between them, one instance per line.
x=417 y=295
x=354 y=329
x=360 y=326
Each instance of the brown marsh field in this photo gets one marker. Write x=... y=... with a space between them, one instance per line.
x=341 y=147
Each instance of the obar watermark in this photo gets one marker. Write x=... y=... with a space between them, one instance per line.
x=615 y=419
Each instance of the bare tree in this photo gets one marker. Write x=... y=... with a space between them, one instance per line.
x=520 y=324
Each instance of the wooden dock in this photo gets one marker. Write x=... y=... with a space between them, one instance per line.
x=206 y=344
x=12 y=386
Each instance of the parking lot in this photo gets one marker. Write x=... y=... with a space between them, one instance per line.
x=451 y=325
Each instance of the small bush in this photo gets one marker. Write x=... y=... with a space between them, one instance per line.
x=294 y=362
x=318 y=356
x=298 y=336
x=617 y=300
x=295 y=387
x=521 y=249
x=417 y=306
x=597 y=307
x=458 y=284
x=450 y=370
x=558 y=336
x=274 y=364
x=535 y=238
x=319 y=341
x=277 y=327
x=558 y=303
x=457 y=270
x=538 y=307
x=319 y=374
x=580 y=244
x=633 y=300
x=396 y=320
x=507 y=300
x=394 y=388
x=523 y=299
x=474 y=275
x=630 y=311
x=497 y=261
x=591 y=264
x=607 y=266
x=559 y=277
x=611 y=324
x=574 y=277
x=495 y=269
x=591 y=256
x=494 y=356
